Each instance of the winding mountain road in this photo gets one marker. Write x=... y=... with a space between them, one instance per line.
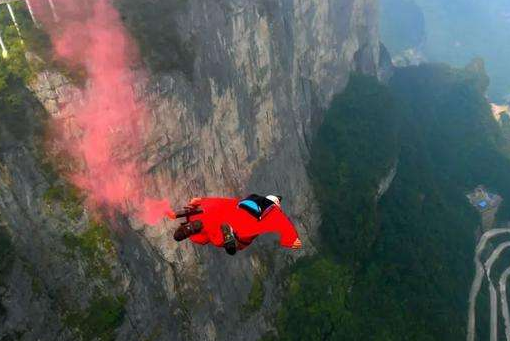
x=494 y=311
x=477 y=283
x=492 y=289
x=504 y=302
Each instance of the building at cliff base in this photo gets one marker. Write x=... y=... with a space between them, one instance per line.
x=486 y=203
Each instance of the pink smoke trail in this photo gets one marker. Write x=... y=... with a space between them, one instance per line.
x=108 y=124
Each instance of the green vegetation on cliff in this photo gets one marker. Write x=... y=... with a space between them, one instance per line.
x=21 y=120
x=316 y=306
x=94 y=245
x=13 y=97
x=68 y=196
x=15 y=72
x=354 y=149
x=403 y=265
x=255 y=297
x=100 y=320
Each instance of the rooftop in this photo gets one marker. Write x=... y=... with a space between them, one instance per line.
x=483 y=200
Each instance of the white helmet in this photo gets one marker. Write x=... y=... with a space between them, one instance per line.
x=275 y=198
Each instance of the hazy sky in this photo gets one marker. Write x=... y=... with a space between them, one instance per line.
x=453 y=31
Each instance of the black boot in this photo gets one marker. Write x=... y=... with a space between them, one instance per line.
x=229 y=240
x=188 y=229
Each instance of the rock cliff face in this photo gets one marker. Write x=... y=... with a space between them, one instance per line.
x=233 y=115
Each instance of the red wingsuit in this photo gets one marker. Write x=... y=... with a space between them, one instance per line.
x=218 y=211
